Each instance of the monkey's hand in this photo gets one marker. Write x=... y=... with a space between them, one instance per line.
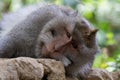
x=65 y=61
x=61 y=57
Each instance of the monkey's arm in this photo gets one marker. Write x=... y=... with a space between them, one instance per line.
x=7 y=48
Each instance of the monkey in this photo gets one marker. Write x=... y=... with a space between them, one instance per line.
x=53 y=32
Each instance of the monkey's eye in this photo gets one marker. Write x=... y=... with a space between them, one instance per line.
x=53 y=32
x=74 y=44
x=68 y=35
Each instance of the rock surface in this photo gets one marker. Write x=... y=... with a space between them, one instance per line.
x=101 y=74
x=24 y=68
x=31 y=69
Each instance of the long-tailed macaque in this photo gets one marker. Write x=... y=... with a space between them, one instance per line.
x=50 y=31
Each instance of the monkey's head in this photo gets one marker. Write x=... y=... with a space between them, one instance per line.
x=63 y=35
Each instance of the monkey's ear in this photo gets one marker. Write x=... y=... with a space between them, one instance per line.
x=73 y=13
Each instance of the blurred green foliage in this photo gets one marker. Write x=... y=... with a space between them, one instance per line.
x=103 y=14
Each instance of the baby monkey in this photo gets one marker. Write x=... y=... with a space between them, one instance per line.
x=52 y=32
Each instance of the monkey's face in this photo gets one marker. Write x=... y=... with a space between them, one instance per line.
x=56 y=35
x=64 y=38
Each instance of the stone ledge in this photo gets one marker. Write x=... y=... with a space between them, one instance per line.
x=24 y=68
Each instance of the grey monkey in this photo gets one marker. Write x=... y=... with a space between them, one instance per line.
x=52 y=32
